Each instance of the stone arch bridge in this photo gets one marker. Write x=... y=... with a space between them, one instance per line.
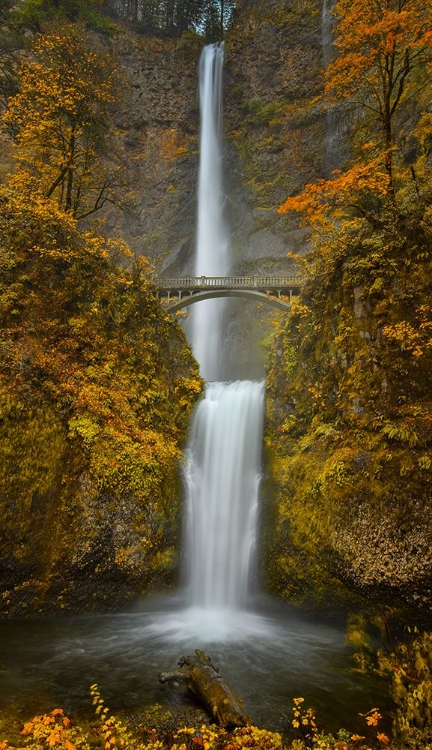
x=186 y=290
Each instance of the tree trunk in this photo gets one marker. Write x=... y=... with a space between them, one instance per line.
x=203 y=681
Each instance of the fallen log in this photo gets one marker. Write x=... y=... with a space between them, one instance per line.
x=205 y=683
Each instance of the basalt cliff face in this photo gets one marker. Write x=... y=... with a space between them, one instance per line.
x=273 y=138
x=157 y=122
x=273 y=144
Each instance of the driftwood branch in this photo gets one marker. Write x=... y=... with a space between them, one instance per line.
x=172 y=676
x=203 y=680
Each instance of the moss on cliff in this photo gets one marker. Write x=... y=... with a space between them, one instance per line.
x=97 y=384
x=350 y=421
x=274 y=67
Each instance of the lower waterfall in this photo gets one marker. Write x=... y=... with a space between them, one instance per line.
x=222 y=480
x=222 y=476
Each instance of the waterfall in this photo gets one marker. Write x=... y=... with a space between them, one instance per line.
x=223 y=454
x=327 y=33
x=222 y=478
x=212 y=249
x=331 y=136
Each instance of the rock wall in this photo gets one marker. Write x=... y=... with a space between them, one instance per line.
x=273 y=128
x=157 y=123
x=273 y=143
x=273 y=135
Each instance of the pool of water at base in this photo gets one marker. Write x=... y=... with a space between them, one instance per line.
x=269 y=656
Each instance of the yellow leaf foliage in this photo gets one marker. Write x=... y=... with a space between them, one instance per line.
x=92 y=366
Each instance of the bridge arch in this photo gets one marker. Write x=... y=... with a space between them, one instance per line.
x=184 y=291
x=186 y=301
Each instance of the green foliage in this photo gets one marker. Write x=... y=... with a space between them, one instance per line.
x=34 y=14
x=190 y=43
x=97 y=384
x=410 y=668
x=171 y=18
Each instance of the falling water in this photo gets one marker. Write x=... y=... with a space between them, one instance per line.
x=223 y=475
x=223 y=455
x=212 y=251
x=331 y=136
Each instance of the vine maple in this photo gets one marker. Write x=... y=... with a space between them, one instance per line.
x=381 y=69
x=380 y=45
x=60 y=120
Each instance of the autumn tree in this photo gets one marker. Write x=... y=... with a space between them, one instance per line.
x=60 y=120
x=380 y=79
x=382 y=48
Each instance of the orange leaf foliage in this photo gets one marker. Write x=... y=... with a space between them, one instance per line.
x=320 y=199
x=377 y=43
x=87 y=340
x=59 y=118
x=383 y=738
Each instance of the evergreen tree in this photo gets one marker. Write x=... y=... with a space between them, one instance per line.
x=172 y=17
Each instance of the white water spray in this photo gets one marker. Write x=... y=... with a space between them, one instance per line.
x=224 y=449
x=212 y=250
x=223 y=475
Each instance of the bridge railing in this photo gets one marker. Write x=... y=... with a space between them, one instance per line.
x=229 y=282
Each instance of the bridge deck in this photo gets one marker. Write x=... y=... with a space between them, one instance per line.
x=199 y=283
x=186 y=290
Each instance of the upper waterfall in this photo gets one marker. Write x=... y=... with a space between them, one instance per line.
x=212 y=249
